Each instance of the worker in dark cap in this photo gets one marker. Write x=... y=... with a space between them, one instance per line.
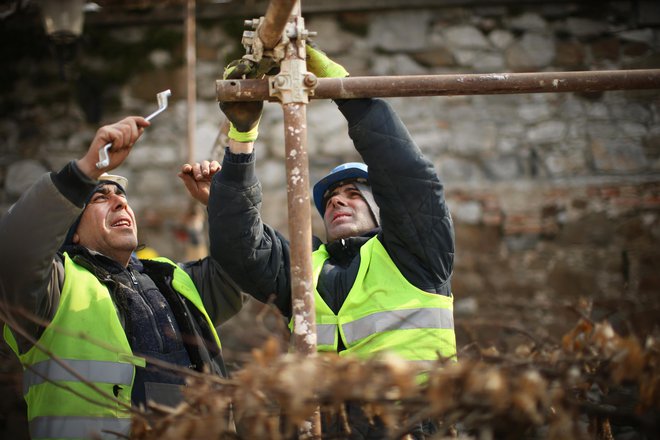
x=94 y=327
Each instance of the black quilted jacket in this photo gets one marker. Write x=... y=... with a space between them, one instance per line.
x=416 y=227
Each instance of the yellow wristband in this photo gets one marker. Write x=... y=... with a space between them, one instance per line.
x=248 y=136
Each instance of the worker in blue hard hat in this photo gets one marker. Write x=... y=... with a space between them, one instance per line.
x=344 y=200
x=382 y=276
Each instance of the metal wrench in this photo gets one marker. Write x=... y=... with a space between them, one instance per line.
x=104 y=158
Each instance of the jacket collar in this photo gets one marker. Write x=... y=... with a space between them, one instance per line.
x=343 y=250
x=77 y=252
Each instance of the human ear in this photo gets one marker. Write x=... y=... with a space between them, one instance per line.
x=76 y=238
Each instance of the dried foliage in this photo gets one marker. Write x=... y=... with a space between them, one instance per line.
x=565 y=390
x=592 y=382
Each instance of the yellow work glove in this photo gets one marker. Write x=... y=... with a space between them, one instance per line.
x=323 y=67
x=243 y=116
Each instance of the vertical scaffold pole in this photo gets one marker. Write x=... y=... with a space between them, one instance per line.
x=291 y=86
x=294 y=106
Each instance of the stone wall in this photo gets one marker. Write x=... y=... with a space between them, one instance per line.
x=553 y=195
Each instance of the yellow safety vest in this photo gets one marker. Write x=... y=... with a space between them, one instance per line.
x=383 y=312
x=85 y=341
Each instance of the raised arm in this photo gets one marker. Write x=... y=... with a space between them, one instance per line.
x=252 y=253
x=221 y=296
x=417 y=229
x=35 y=226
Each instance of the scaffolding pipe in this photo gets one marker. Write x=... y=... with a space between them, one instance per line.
x=191 y=81
x=291 y=89
x=293 y=94
x=451 y=85
x=275 y=20
x=300 y=227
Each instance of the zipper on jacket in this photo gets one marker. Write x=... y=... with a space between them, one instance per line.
x=134 y=280
x=149 y=309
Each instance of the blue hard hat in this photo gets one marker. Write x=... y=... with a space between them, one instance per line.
x=344 y=172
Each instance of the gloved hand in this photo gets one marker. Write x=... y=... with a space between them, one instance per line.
x=320 y=65
x=243 y=116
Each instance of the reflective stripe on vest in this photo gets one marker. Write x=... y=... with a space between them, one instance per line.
x=79 y=427
x=398 y=320
x=384 y=312
x=90 y=371
x=63 y=405
x=326 y=333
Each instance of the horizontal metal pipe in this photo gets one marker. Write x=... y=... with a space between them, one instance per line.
x=449 y=85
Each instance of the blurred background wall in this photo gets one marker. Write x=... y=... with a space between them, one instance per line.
x=555 y=197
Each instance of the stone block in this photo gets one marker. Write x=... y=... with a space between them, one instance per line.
x=618 y=154
x=571 y=107
x=399 y=31
x=148 y=155
x=434 y=57
x=501 y=38
x=468 y=306
x=332 y=39
x=528 y=21
x=473 y=136
x=206 y=136
x=634 y=130
x=503 y=167
x=606 y=49
x=547 y=132
x=272 y=174
x=635 y=49
x=21 y=175
x=652 y=144
x=570 y=55
x=356 y=62
x=160 y=58
x=572 y=162
x=9 y=133
x=583 y=27
x=639 y=35
x=206 y=75
x=156 y=182
x=508 y=144
x=597 y=110
x=129 y=35
x=431 y=141
x=632 y=112
x=398 y=64
x=274 y=209
x=534 y=112
x=473 y=238
x=469 y=212
x=533 y=51
x=489 y=62
x=145 y=85
x=465 y=37
x=456 y=170
x=521 y=237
